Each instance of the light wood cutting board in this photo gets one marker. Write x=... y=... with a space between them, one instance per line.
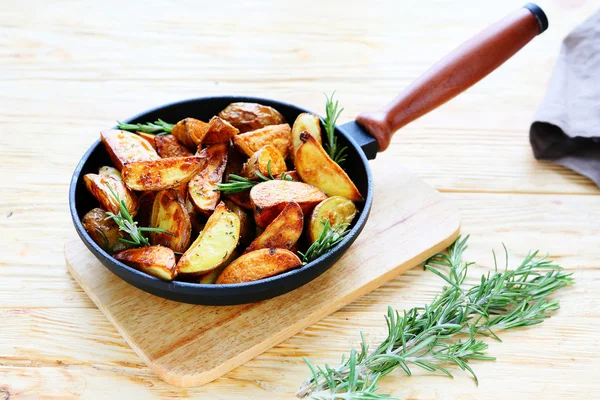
x=190 y=345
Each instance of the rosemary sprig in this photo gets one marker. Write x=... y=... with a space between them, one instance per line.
x=337 y=154
x=239 y=184
x=425 y=337
x=328 y=239
x=126 y=224
x=158 y=127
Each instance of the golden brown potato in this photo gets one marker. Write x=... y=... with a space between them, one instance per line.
x=279 y=136
x=242 y=199
x=202 y=187
x=219 y=131
x=190 y=132
x=259 y=264
x=316 y=168
x=283 y=232
x=149 y=137
x=269 y=198
x=246 y=222
x=161 y=174
x=336 y=209
x=146 y=203
x=103 y=230
x=169 y=146
x=169 y=213
x=211 y=277
x=250 y=116
x=157 y=261
x=125 y=147
x=98 y=185
x=305 y=122
x=266 y=157
x=214 y=245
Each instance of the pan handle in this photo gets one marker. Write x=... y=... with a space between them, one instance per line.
x=456 y=72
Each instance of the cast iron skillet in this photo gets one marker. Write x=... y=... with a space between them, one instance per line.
x=369 y=134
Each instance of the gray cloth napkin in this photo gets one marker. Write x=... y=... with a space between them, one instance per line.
x=566 y=127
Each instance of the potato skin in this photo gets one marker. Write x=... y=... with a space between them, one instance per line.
x=283 y=232
x=161 y=174
x=269 y=198
x=96 y=221
x=169 y=213
x=157 y=261
x=336 y=209
x=149 y=137
x=246 y=222
x=202 y=187
x=258 y=264
x=219 y=131
x=305 y=122
x=98 y=186
x=316 y=168
x=242 y=199
x=267 y=156
x=190 y=132
x=125 y=147
x=250 y=116
x=279 y=136
x=169 y=146
x=146 y=203
x=235 y=162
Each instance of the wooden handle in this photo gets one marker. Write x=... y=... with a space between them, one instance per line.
x=456 y=72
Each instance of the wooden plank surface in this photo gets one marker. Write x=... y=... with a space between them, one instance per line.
x=69 y=69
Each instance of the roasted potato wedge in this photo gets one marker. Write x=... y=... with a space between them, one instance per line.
x=283 y=232
x=125 y=147
x=336 y=209
x=246 y=222
x=219 y=131
x=146 y=204
x=103 y=230
x=190 y=132
x=269 y=198
x=259 y=264
x=316 y=168
x=149 y=137
x=235 y=162
x=161 y=174
x=211 y=277
x=305 y=122
x=279 y=136
x=169 y=146
x=202 y=187
x=242 y=199
x=157 y=261
x=169 y=213
x=250 y=116
x=98 y=185
x=214 y=245
x=266 y=157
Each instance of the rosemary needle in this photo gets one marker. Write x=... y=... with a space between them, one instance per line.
x=239 y=184
x=328 y=239
x=337 y=153
x=158 y=127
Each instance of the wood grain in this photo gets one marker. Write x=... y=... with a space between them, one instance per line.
x=68 y=69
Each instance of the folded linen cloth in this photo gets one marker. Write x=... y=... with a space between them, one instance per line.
x=566 y=127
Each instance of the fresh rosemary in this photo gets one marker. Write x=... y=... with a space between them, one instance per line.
x=337 y=154
x=158 y=127
x=328 y=239
x=425 y=337
x=239 y=184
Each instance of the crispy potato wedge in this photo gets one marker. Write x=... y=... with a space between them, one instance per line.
x=157 y=261
x=305 y=122
x=283 y=232
x=316 y=168
x=246 y=222
x=279 y=136
x=161 y=174
x=291 y=174
x=125 y=147
x=242 y=199
x=103 y=230
x=146 y=204
x=250 y=116
x=202 y=187
x=190 y=132
x=269 y=198
x=336 y=209
x=149 y=137
x=98 y=185
x=211 y=277
x=219 y=131
x=214 y=245
x=266 y=157
x=259 y=264
x=169 y=146
x=169 y=213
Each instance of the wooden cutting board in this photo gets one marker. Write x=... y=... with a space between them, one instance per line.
x=190 y=345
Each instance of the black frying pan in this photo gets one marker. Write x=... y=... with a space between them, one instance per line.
x=370 y=134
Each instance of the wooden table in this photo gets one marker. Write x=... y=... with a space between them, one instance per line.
x=68 y=69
